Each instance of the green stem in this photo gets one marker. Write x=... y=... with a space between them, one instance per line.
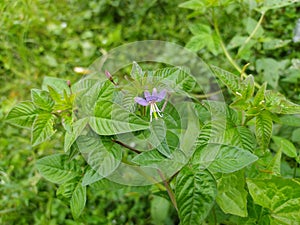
x=228 y=56
x=169 y=190
x=252 y=34
x=226 y=53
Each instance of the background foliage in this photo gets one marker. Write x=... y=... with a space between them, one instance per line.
x=51 y=38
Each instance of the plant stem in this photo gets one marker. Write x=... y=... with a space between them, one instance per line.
x=126 y=146
x=227 y=54
x=169 y=190
x=252 y=33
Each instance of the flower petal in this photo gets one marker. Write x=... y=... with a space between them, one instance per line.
x=161 y=95
x=141 y=101
x=147 y=95
x=154 y=92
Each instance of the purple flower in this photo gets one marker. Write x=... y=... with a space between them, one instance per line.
x=151 y=99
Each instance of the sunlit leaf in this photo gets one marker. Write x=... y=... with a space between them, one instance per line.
x=280 y=195
x=195 y=193
x=91 y=176
x=285 y=146
x=260 y=95
x=42 y=99
x=78 y=200
x=77 y=128
x=58 y=84
x=176 y=78
x=263 y=128
x=232 y=196
x=23 y=114
x=66 y=189
x=110 y=119
x=230 y=159
x=42 y=128
x=103 y=155
x=231 y=80
x=57 y=168
x=247 y=87
x=277 y=103
x=136 y=71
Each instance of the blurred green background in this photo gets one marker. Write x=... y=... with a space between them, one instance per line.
x=51 y=37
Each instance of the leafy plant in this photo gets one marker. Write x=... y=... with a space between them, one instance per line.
x=206 y=161
x=107 y=132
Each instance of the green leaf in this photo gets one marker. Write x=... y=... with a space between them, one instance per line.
x=88 y=98
x=159 y=210
x=228 y=134
x=66 y=189
x=103 y=155
x=151 y=138
x=274 y=43
x=230 y=159
x=270 y=69
x=77 y=128
x=203 y=38
x=54 y=94
x=42 y=128
x=78 y=200
x=220 y=110
x=274 y=166
x=213 y=43
x=296 y=135
x=231 y=80
x=59 y=85
x=90 y=177
x=23 y=114
x=196 y=43
x=247 y=87
x=111 y=119
x=193 y=4
x=277 y=103
x=42 y=99
x=195 y=193
x=198 y=28
x=232 y=197
x=136 y=71
x=191 y=134
x=274 y=4
x=240 y=136
x=285 y=146
x=236 y=41
x=57 y=168
x=149 y=158
x=263 y=128
x=260 y=95
x=176 y=78
x=288 y=107
x=240 y=104
x=290 y=120
x=280 y=195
